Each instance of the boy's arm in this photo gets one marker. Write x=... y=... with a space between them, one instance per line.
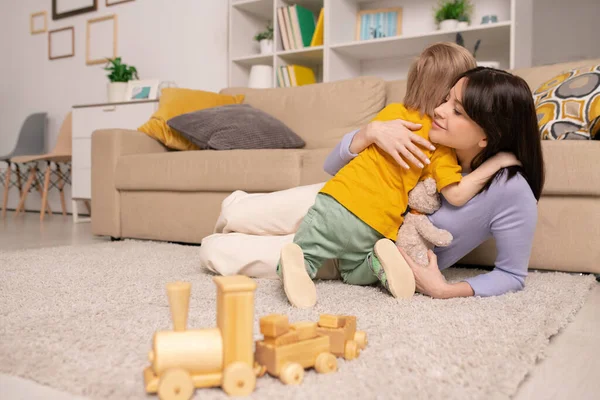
x=458 y=194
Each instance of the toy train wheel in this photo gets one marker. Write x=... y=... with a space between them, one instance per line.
x=291 y=373
x=239 y=379
x=326 y=362
x=175 y=384
x=360 y=337
x=351 y=350
x=259 y=370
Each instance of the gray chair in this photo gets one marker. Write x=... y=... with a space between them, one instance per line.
x=30 y=141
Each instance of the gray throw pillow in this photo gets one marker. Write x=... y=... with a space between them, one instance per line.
x=235 y=126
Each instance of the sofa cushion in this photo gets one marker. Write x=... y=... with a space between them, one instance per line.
x=535 y=76
x=211 y=170
x=568 y=105
x=320 y=113
x=395 y=91
x=570 y=167
x=177 y=101
x=236 y=126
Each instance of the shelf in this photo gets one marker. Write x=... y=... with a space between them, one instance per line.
x=254 y=59
x=307 y=56
x=262 y=9
x=409 y=45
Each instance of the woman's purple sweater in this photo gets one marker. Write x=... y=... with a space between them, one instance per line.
x=507 y=211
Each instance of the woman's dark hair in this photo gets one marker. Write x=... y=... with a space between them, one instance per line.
x=502 y=105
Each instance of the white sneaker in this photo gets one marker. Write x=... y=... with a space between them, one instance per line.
x=298 y=285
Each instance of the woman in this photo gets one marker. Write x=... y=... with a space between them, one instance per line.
x=483 y=115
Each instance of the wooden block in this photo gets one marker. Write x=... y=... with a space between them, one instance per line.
x=274 y=325
x=282 y=340
x=337 y=337
x=265 y=356
x=350 y=326
x=304 y=353
x=331 y=321
x=306 y=330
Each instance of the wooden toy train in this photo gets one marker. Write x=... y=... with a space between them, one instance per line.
x=184 y=359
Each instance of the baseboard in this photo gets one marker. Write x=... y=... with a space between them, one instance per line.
x=53 y=212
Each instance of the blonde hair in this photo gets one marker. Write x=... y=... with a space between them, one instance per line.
x=431 y=75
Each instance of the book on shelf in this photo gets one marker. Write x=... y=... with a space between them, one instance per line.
x=295 y=75
x=299 y=28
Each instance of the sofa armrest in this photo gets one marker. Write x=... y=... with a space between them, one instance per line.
x=107 y=146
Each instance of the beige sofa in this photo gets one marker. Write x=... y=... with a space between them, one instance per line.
x=142 y=190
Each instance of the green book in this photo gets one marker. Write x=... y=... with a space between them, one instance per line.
x=306 y=22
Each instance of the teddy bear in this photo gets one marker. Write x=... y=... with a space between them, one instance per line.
x=417 y=234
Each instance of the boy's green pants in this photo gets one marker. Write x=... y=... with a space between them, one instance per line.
x=330 y=231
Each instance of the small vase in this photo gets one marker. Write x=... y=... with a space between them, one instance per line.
x=261 y=77
x=462 y=25
x=448 y=24
x=117 y=91
x=266 y=46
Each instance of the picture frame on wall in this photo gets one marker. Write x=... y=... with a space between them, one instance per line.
x=69 y=8
x=142 y=90
x=116 y=2
x=101 y=39
x=61 y=43
x=38 y=22
x=378 y=23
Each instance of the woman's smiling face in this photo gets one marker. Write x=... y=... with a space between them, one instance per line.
x=451 y=125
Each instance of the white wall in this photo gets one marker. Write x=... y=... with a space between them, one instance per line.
x=184 y=41
x=565 y=30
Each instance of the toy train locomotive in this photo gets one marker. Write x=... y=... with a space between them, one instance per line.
x=185 y=359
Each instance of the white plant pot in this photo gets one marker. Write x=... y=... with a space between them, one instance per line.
x=261 y=77
x=489 y=64
x=448 y=24
x=462 y=25
x=117 y=91
x=266 y=46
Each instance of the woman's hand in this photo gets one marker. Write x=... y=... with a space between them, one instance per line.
x=396 y=139
x=430 y=281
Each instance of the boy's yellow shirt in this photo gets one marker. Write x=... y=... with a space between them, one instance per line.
x=375 y=188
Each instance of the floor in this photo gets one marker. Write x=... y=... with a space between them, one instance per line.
x=570 y=369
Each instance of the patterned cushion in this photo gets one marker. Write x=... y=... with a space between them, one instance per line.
x=568 y=105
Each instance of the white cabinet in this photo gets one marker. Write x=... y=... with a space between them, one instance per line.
x=87 y=119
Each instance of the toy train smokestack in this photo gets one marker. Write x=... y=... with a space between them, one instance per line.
x=179 y=301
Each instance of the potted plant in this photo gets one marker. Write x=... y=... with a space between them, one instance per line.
x=119 y=75
x=463 y=22
x=265 y=39
x=450 y=12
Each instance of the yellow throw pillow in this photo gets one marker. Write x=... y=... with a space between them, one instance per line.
x=568 y=105
x=177 y=101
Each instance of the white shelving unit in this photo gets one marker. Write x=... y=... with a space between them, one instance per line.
x=508 y=41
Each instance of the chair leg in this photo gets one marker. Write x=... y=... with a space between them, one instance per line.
x=6 y=188
x=32 y=171
x=45 y=192
x=87 y=205
x=19 y=183
x=40 y=189
x=61 y=185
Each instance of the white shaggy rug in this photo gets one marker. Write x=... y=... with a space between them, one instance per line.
x=81 y=319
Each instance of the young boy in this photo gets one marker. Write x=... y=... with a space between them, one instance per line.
x=365 y=201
